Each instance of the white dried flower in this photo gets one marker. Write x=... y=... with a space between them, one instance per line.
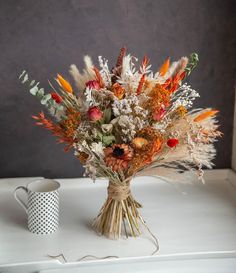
x=81 y=146
x=90 y=171
x=107 y=128
x=90 y=100
x=97 y=148
x=105 y=71
x=184 y=96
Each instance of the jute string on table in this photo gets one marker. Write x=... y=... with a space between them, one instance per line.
x=118 y=193
x=162 y=256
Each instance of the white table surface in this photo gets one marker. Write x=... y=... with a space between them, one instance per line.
x=196 y=230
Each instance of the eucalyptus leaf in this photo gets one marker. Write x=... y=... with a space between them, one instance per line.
x=51 y=103
x=22 y=74
x=45 y=99
x=60 y=107
x=32 y=83
x=26 y=77
x=34 y=90
x=40 y=93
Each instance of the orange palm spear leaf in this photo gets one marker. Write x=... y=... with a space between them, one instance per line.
x=164 y=68
x=65 y=84
x=205 y=115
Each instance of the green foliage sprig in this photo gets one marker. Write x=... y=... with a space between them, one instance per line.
x=192 y=63
x=46 y=99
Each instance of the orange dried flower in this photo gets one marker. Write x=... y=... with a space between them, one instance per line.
x=118 y=90
x=82 y=157
x=181 y=110
x=154 y=149
x=159 y=98
x=147 y=85
x=70 y=124
x=139 y=142
x=118 y=156
x=144 y=155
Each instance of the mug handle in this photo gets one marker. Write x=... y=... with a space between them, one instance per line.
x=24 y=206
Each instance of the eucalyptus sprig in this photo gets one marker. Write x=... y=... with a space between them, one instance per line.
x=54 y=108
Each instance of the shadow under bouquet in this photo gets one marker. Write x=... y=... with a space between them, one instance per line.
x=124 y=121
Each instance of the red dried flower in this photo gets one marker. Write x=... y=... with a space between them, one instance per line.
x=56 y=97
x=94 y=113
x=93 y=84
x=172 y=142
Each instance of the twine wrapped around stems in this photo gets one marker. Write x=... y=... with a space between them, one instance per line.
x=119 y=208
x=117 y=192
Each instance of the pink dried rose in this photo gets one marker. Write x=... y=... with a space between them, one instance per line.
x=159 y=114
x=94 y=113
x=93 y=84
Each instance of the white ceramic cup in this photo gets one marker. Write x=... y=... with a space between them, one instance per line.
x=42 y=207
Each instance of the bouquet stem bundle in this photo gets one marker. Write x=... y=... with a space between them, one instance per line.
x=120 y=209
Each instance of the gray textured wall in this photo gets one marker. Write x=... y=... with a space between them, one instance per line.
x=45 y=37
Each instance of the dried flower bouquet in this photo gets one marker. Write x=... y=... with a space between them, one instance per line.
x=124 y=121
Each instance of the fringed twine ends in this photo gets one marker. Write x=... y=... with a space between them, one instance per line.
x=119 y=215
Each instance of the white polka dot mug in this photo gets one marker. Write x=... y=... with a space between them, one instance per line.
x=42 y=207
